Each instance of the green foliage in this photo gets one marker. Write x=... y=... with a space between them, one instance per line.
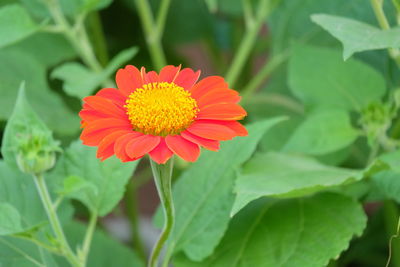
x=281 y=176
x=292 y=193
x=17 y=190
x=27 y=142
x=19 y=253
x=332 y=83
x=322 y=133
x=357 y=36
x=15 y=24
x=10 y=219
x=18 y=66
x=298 y=232
x=79 y=81
x=105 y=251
x=70 y=8
x=196 y=232
x=101 y=185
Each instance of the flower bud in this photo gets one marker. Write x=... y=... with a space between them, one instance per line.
x=36 y=152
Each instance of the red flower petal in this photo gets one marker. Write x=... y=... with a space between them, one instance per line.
x=106 y=146
x=89 y=115
x=169 y=73
x=223 y=111
x=206 y=143
x=183 y=148
x=207 y=84
x=95 y=131
x=128 y=79
x=211 y=130
x=120 y=144
x=105 y=106
x=141 y=145
x=218 y=96
x=151 y=77
x=186 y=78
x=161 y=154
x=239 y=129
x=113 y=94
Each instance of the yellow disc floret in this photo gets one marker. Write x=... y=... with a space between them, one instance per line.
x=161 y=109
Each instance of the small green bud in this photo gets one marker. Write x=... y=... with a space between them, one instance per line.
x=376 y=120
x=36 y=152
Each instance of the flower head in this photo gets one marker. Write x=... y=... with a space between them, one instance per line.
x=161 y=115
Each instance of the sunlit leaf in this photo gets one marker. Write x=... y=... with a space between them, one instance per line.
x=105 y=181
x=207 y=188
x=322 y=132
x=357 y=36
x=299 y=232
x=280 y=175
x=320 y=78
x=79 y=81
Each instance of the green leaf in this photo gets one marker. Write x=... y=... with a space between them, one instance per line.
x=206 y=188
x=105 y=251
x=322 y=132
x=20 y=253
x=105 y=180
x=357 y=36
x=75 y=184
x=298 y=232
x=47 y=48
x=330 y=82
x=17 y=66
x=387 y=182
x=10 y=220
x=23 y=122
x=79 y=81
x=280 y=175
x=15 y=24
x=19 y=191
x=291 y=20
x=70 y=8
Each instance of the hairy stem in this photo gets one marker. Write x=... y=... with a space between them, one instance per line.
x=247 y=43
x=54 y=221
x=377 y=6
x=89 y=236
x=162 y=176
x=153 y=30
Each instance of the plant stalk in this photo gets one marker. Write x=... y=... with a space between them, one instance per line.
x=247 y=44
x=88 y=237
x=162 y=177
x=377 y=6
x=54 y=221
x=153 y=30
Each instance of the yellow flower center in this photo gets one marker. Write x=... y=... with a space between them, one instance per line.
x=161 y=109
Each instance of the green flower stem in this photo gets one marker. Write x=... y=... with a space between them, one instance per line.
x=88 y=237
x=54 y=221
x=247 y=44
x=162 y=177
x=377 y=6
x=260 y=77
x=153 y=30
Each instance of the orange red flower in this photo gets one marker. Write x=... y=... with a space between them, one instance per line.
x=161 y=115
